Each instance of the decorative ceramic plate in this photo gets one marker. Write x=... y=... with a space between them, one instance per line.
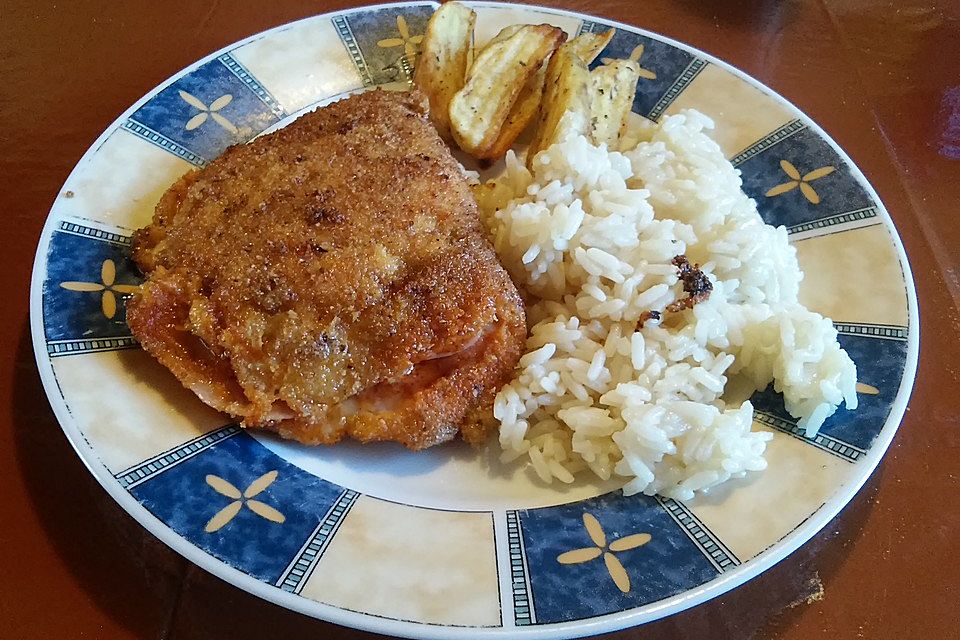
x=446 y=543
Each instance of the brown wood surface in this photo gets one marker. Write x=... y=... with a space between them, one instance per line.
x=883 y=78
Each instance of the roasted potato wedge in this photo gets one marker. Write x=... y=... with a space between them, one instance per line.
x=566 y=90
x=589 y=45
x=524 y=111
x=507 y=32
x=446 y=55
x=498 y=75
x=612 y=89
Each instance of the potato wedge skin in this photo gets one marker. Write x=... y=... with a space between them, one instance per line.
x=445 y=57
x=566 y=90
x=613 y=87
x=499 y=73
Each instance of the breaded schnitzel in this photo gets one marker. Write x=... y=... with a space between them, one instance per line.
x=332 y=279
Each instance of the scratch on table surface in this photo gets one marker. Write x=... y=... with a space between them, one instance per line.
x=812 y=591
x=206 y=19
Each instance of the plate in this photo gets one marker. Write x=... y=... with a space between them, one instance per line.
x=379 y=538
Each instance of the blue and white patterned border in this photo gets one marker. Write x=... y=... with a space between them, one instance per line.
x=252 y=83
x=163 y=142
x=76 y=229
x=57 y=348
x=856 y=216
x=772 y=138
x=866 y=329
x=689 y=74
x=587 y=26
x=131 y=477
x=75 y=346
x=158 y=139
x=300 y=568
x=350 y=42
x=712 y=548
x=523 y=613
x=839 y=448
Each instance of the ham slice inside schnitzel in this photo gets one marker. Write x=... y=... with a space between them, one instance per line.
x=332 y=279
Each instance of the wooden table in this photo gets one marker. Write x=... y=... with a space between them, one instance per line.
x=882 y=77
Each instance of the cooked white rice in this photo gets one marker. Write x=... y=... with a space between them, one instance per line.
x=590 y=236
